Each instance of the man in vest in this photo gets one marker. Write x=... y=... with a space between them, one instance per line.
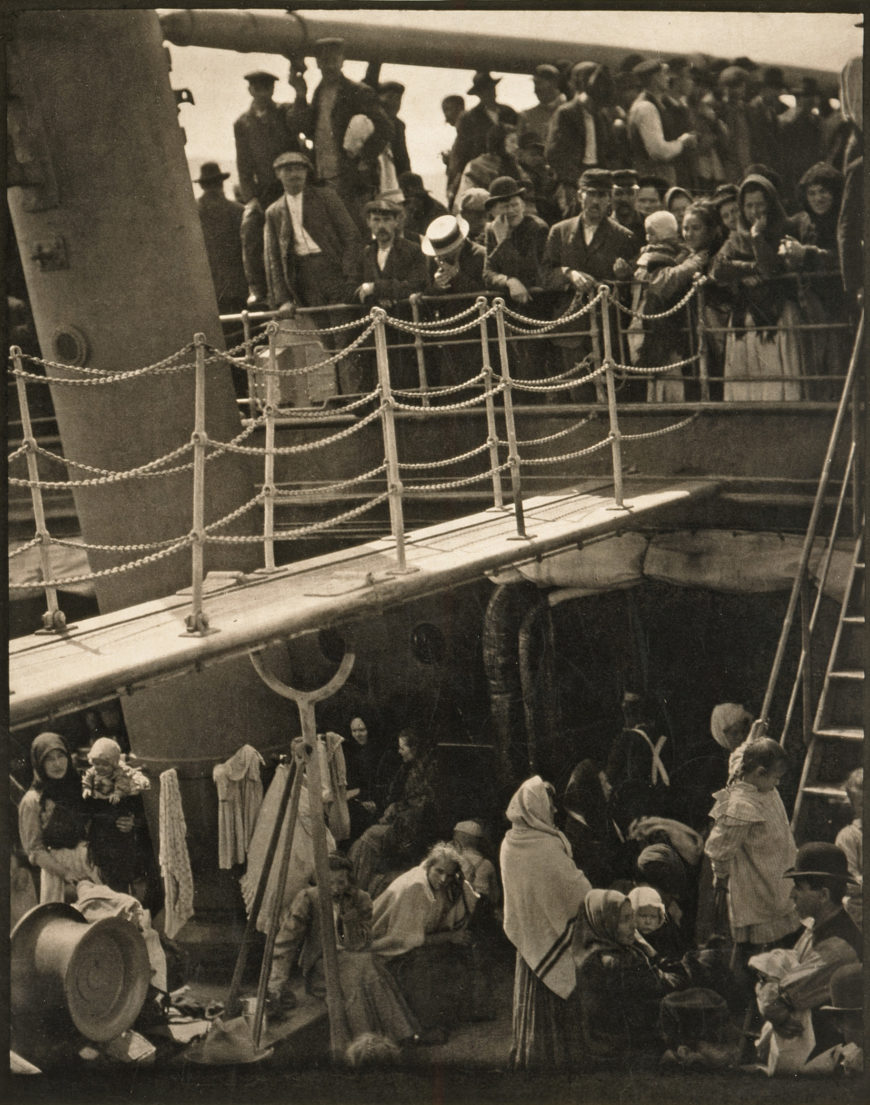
x=654 y=145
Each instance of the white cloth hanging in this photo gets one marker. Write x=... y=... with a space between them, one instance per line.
x=240 y=796
x=174 y=860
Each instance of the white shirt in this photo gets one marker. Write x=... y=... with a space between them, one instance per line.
x=383 y=255
x=303 y=244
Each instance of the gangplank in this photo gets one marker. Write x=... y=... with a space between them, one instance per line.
x=118 y=653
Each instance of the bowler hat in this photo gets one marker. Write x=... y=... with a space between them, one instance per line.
x=549 y=71
x=596 y=178
x=210 y=172
x=647 y=68
x=291 y=157
x=482 y=79
x=847 y=990
x=819 y=860
x=260 y=76
x=503 y=188
x=391 y=86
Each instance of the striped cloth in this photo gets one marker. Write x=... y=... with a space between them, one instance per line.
x=174 y=860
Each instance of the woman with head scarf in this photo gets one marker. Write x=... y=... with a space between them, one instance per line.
x=52 y=821
x=618 y=986
x=763 y=350
x=543 y=892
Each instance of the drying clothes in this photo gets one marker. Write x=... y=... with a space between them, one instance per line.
x=174 y=860
x=300 y=864
x=97 y=902
x=240 y=795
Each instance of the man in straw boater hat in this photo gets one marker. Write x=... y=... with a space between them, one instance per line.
x=830 y=940
x=262 y=132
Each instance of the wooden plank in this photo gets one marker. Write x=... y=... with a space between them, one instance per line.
x=144 y=644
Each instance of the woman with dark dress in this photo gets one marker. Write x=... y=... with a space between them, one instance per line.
x=543 y=893
x=589 y=830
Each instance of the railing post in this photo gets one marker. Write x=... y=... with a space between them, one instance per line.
x=391 y=453
x=249 y=358
x=615 y=435
x=196 y=620
x=513 y=454
x=269 y=442
x=491 y=433
x=53 y=620
x=597 y=357
x=703 y=345
x=806 y=651
x=418 y=348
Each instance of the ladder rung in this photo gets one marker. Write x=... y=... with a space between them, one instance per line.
x=852 y=674
x=859 y=565
x=840 y=732
x=853 y=619
x=820 y=791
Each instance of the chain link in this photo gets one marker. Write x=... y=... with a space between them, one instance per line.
x=108 y=477
x=693 y=290
x=143 y=547
x=435 y=392
x=26 y=547
x=557 y=434
x=288 y=450
x=445 y=408
x=634 y=370
x=316 y=492
x=660 y=433
x=302 y=531
x=117 y=570
x=570 y=456
x=542 y=328
x=319 y=412
x=16 y=453
x=423 y=328
x=306 y=370
x=448 y=485
x=444 y=463
x=558 y=387
x=185 y=349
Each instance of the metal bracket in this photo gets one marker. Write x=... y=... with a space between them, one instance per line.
x=50 y=256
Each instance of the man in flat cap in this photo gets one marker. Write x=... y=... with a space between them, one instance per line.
x=349 y=128
x=830 y=940
x=546 y=81
x=580 y=253
x=624 y=203
x=473 y=126
x=262 y=132
x=653 y=136
x=578 y=137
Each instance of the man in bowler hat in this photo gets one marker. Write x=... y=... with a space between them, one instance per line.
x=473 y=126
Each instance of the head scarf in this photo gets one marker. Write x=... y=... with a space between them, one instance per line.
x=824 y=226
x=69 y=788
x=725 y=716
x=777 y=219
x=673 y=193
x=646 y=897
x=543 y=889
x=661 y=866
x=601 y=910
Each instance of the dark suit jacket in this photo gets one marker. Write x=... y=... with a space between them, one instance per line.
x=566 y=247
x=357 y=176
x=399 y=146
x=472 y=128
x=326 y=219
x=259 y=140
x=404 y=273
x=566 y=140
x=221 y=220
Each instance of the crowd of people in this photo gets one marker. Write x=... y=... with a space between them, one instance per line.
x=647 y=177
x=643 y=927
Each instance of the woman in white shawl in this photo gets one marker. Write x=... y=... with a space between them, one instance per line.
x=543 y=892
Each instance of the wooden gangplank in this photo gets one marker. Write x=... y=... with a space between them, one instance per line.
x=128 y=649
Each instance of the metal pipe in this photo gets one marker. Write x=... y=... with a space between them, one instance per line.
x=807 y=652
x=196 y=621
x=703 y=347
x=269 y=445
x=53 y=619
x=391 y=453
x=418 y=348
x=491 y=433
x=615 y=435
x=513 y=454
x=293 y=34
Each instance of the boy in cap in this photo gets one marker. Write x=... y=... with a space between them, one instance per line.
x=653 y=136
x=473 y=126
x=262 y=132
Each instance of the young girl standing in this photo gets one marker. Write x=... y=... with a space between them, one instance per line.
x=751 y=846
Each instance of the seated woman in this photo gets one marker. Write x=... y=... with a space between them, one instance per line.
x=618 y=985
x=372 y=1001
x=420 y=925
x=53 y=821
x=660 y=867
x=406 y=827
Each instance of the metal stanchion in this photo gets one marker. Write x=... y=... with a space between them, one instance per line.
x=595 y=336
x=269 y=465
x=53 y=620
x=418 y=349
x=513 y=454
x=491 y=434
x=249 y=358
x=703 y=345
x=388 y=421
x=196 y=620
x=615 y=436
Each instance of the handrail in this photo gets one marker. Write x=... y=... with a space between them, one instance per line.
x=812 y=526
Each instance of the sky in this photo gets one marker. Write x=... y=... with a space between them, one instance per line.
x=822 y=40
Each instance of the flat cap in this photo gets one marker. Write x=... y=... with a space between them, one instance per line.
x=324 y=45
x=383 y=205
x=291 y=157
x=596 y=178
x=549 y=71
x=624 y=178
x=260 y=76
x=647 y=68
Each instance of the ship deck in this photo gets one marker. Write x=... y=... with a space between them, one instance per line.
x=116 y=653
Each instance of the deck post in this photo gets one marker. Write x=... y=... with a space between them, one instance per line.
x=391 y=454
x=615 y=436
x=269 y=463
x=53 y=620
x=703 y=345
x=807 y=673
x=249 y=358
x=510 y=425
x=491 y=433
x=196 y=620
x=418 y=349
